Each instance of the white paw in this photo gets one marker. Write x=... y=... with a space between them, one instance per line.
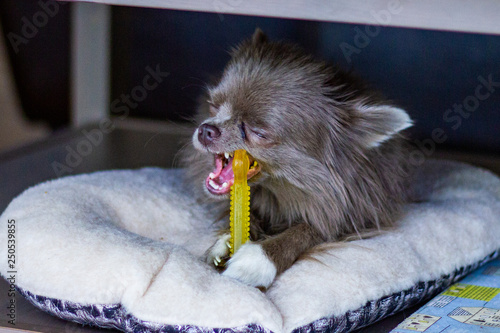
x=219 y=250
x=251 y=266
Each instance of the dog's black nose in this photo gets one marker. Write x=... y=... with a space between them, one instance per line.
x=207 y=133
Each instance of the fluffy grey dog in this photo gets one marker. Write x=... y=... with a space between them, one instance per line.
x=327 y=156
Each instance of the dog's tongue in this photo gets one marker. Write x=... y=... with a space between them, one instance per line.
x=222 y=178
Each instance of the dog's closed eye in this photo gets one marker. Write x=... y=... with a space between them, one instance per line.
x=259 y=134
x=254 y=135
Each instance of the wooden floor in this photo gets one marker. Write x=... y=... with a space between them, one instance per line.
x=128 y=145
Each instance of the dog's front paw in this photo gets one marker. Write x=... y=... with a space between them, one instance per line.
x=251 y=266
x=216 y=254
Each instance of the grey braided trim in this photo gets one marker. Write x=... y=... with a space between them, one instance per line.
x=115 y=316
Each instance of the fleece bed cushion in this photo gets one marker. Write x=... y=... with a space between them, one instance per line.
x=122 y=249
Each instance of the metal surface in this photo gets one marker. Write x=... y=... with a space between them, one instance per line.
x=90 y=64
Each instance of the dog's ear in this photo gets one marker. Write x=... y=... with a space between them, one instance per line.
x=258 y=37
x=378 y=123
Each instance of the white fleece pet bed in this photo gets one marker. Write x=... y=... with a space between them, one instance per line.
x=122 y=249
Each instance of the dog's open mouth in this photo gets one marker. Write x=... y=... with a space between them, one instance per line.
x=219 y=181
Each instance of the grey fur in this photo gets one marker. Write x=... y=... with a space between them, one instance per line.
x=332 y=155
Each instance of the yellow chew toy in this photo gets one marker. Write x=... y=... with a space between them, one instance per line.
x=239 y=217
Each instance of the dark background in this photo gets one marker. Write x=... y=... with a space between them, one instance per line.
x=425 y=72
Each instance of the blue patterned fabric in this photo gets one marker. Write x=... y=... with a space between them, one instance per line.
x=379 y=309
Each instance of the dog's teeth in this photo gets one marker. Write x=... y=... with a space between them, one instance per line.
x=213 y=184
x=226 y=155
x=224 y=185
x=211 y=175
x=217 y=261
